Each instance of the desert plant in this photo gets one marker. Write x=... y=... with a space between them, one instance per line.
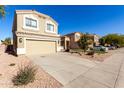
x=24 y=76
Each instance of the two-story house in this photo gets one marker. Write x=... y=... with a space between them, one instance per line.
x=34 y=33
x=69 y=41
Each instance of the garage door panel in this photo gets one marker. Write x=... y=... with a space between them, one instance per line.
x=40 y=47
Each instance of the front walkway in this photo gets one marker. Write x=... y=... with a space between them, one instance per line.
x=73 y=71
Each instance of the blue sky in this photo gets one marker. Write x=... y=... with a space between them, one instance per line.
x=99 y=20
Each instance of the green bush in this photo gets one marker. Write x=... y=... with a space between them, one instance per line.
x=103 y=50
x=24 y=76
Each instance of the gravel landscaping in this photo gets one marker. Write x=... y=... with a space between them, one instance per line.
x=97 y=57
x=9 y=65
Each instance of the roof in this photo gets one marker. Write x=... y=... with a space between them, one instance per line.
x=35 y=12
x=90 y=35
x=71 y=33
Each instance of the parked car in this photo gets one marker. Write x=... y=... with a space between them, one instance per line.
x=101 y=48
x=111 y=47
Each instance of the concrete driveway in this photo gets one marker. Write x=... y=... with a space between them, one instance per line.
x=73 y=71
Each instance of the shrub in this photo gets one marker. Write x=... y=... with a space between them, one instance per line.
x=103 y=50
x=24 y=76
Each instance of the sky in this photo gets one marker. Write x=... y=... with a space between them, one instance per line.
x=101 y=20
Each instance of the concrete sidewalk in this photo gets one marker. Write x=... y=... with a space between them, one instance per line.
x=105 y=74
x=73 y=71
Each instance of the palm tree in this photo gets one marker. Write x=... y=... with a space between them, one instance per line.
x=2 y=11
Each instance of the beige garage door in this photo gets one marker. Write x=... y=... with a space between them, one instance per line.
x=34 y=47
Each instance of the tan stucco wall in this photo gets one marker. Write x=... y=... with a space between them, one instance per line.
x=73 y=41
x=20 y=44
x=42 y=25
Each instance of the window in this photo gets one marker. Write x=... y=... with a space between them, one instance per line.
x=31 y=22
x=50 y=27
x=77 y=36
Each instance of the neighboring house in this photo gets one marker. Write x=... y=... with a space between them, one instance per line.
x=34 y=33
x=69 y=41
x=95 y=39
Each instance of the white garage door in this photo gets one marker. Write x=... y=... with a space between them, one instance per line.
x=34 y=47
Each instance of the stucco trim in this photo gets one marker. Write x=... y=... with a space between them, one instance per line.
x=50 y=22
x=33 y=34
x=31 y=28
x=35 y=12
x=42 y=39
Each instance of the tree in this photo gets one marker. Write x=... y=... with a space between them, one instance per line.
x=7 y=41
x=122 y=40
x=2 y=11
x=113 y=40
x=84 y=42
x=102 y=41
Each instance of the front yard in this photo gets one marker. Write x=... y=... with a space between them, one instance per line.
x=9 y=65
x=98 y=56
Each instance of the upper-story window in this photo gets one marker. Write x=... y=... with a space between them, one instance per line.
x=50 y=27
x=31 y=22
x=77 y=36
